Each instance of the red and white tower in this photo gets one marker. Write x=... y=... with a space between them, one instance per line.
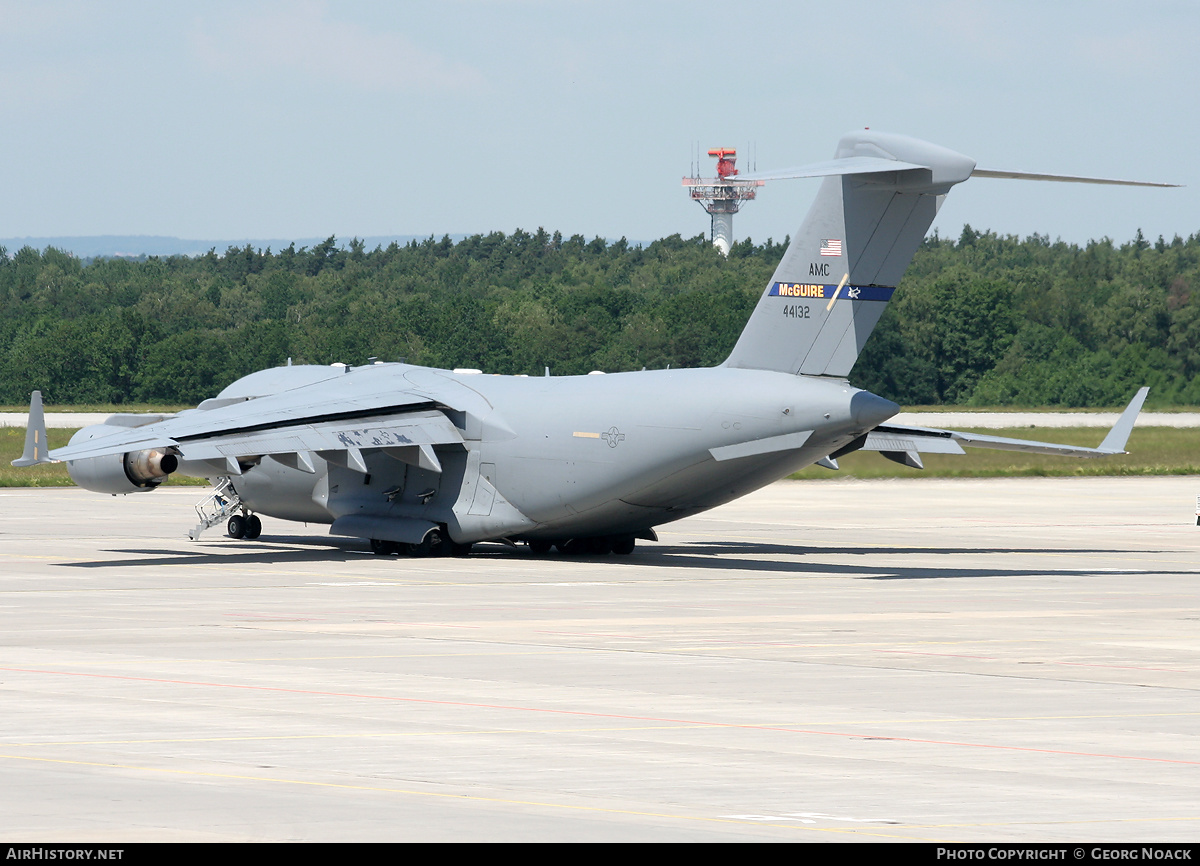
x=722 y=196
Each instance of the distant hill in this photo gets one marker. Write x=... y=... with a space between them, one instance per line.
x=138 y=246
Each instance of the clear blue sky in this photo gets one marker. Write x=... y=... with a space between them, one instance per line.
x=274 y=119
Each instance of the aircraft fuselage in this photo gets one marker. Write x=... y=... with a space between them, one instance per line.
x=579 y=456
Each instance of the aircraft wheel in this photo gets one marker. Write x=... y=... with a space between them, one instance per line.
x=432 y=540
x=574 y=547
x=456 y=549
x=253 y=527
x=382 y=548
x=624 y=545
x=236 y=527
x=599 y=546
x=538 y=547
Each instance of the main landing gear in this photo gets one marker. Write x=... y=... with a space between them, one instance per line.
x=244 y=526
x=622 y=545
x=435 y=543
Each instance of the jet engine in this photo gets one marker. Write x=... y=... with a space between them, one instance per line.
x=132 y=472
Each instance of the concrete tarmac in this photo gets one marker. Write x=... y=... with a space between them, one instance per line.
x=1008 y=660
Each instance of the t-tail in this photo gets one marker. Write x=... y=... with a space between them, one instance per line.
x=879 y=197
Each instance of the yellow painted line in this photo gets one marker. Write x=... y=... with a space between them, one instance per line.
x=444 y=796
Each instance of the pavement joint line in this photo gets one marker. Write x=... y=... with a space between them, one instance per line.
x=585 y=713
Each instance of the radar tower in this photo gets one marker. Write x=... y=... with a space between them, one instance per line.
x=722 y=196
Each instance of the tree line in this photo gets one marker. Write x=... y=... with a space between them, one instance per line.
x=982 y=319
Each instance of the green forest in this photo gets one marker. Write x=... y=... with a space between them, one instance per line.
x=978 y=320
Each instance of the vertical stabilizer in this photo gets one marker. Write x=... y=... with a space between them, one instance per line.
x=35 y=435
x=844 y=262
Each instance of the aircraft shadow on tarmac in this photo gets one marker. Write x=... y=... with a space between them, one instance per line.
x=723 y=556
x=292 y=551
x=718 y=555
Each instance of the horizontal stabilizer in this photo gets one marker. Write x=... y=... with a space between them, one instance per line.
x=1063 y=178
x=833 y=167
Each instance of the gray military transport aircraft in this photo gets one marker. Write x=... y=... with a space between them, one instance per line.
x=420 y=460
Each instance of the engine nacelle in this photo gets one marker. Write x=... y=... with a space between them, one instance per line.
x=133 y=472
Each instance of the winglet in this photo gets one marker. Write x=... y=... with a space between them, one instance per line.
x=35 y=435
x=1114 y=442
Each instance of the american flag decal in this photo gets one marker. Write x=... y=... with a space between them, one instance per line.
x=831 y=247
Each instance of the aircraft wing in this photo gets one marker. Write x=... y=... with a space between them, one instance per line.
x=903 y=444
x=337 y=419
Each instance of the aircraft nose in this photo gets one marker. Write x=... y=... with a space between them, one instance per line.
x=869 y=410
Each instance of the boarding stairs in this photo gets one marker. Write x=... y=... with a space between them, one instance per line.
x=217 y=507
